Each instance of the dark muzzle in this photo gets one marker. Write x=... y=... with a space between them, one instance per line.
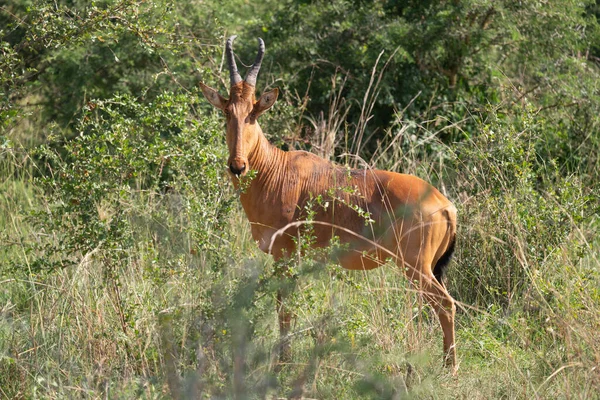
x=238 y=166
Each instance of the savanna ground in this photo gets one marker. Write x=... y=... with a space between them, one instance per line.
x=127 y=269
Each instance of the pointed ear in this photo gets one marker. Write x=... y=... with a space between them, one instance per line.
x=266 y=101
x=213 y=96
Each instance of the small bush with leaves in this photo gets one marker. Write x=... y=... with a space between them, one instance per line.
x=125 y=155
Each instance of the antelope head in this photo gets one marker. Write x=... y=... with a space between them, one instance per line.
x=241 y=109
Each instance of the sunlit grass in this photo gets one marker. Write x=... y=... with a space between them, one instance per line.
x=170 y=319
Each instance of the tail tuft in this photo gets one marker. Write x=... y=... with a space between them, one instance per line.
x=442 y=263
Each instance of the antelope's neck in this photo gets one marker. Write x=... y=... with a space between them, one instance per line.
x=270 y=164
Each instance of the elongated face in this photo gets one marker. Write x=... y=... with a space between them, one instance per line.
x=241 y=110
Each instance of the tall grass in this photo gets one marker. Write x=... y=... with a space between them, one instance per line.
x=176 y=301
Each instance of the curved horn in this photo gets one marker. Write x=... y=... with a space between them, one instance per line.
x=253 y=73
x=234 y=75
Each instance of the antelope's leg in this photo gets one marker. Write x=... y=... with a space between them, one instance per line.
x=443 y=305
x=284 y=316
x=285 y=320
x=440 y=300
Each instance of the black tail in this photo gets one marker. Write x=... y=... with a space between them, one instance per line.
x=442 y=263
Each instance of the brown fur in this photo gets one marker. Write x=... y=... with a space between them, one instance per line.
x=414 y=224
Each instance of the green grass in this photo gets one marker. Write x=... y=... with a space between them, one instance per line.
x=127 y=269
x=173 y=302
x=69 y=334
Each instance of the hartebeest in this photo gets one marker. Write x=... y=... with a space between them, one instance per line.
x=411 y=222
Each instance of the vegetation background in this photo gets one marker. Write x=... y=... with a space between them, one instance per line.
x=126 y=265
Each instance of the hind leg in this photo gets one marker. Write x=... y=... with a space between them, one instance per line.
x=442 y=303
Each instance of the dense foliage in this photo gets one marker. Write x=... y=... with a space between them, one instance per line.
x=126 y=266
